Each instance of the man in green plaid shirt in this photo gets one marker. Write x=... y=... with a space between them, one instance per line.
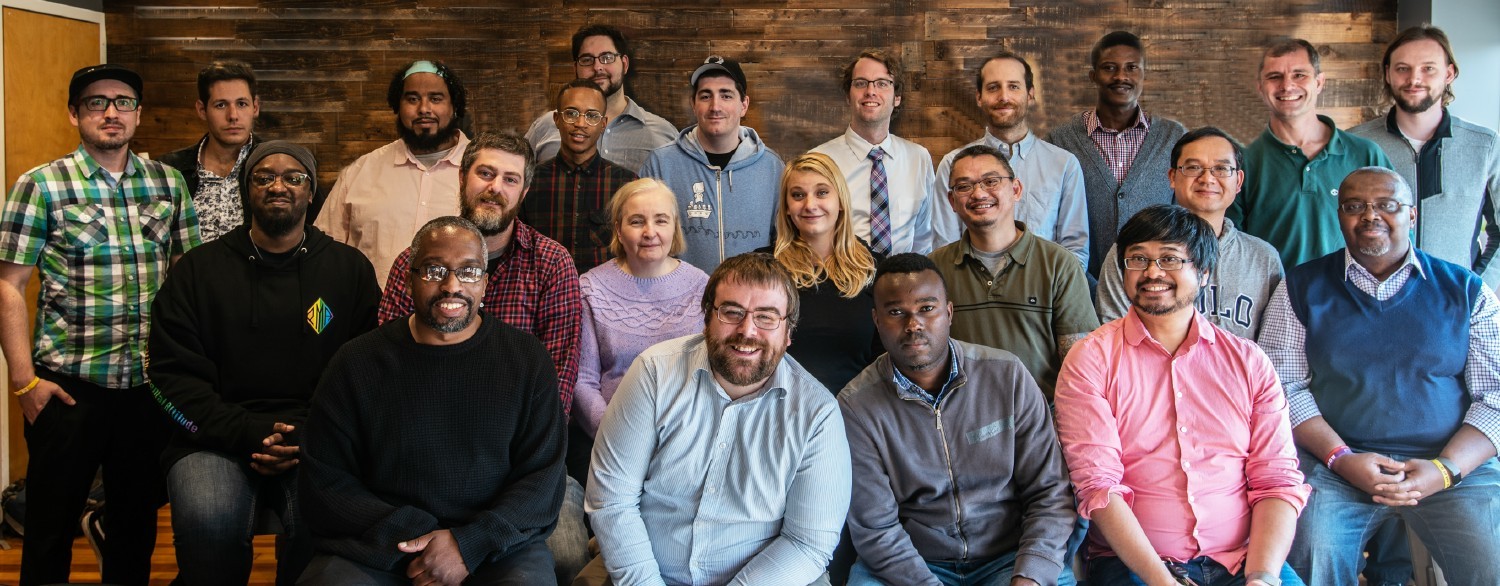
x=102 y=225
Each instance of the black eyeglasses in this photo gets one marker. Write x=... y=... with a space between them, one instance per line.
x=735 y=315
x=571 y=116
x=1384 y=206
x=991 y=184
x=1166 y=263
x=439 y=273
x=880 y=84
x=102 y=103
x=605 y=58
x=1195 y=171
x=290 y=179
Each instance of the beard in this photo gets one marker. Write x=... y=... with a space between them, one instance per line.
x=430 y=142
x=1163 y=308
x=1420 y=106
x=740 y=371
x=489 y=224
x=276 y=221
x=429 y=315
x=1375 y=248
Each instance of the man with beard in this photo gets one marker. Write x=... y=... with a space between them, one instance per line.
x=381 y=198
x=602 y=55
x=569 y=197
x=531 y=286
x=1390 y=359
x=717 y=461
x=1010 y=289
x=1175 y=430
x=228 y=104
x=240 y=333
x=1295 y=166
x=1054 y=205
x=101 y=225
x=1001 y=464
x=1208 y=169
x=434 y=450
x=1123 y=150
x=889 y=177
x=1454 y=164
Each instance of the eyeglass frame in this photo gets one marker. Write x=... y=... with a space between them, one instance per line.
x=1181 y=263
x=121 y=103
x=755 y=316
x=990 y=183
x=425 y=273
x=1365 y=206
x=591 y=117
x=607 y=58
x=285 y=179
x=1228 y=171
x=881 y=84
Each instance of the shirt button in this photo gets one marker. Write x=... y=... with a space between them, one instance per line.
x=710 y=490
x=1192 y=499
x=1182 y=429
x=1179 y=394
x=723 y=445
x=1186 y=465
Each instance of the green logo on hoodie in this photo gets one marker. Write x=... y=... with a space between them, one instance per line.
x=319 y=315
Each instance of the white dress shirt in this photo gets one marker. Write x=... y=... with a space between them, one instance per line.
x=908 y=179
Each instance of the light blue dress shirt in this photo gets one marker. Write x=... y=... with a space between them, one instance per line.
x=1054 y=203
x=689 y=487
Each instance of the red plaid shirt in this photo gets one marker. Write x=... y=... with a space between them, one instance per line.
x=1119 y=147
x=533 y=288
x=570 y=205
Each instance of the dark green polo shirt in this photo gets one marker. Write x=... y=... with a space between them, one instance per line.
x=1040 y=295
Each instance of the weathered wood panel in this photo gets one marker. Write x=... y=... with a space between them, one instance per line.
x=324 y=64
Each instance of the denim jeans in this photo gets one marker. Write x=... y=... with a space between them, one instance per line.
x=215 y=502
x=1203 y=571
x=529 y=566
x=1460 y=527
x=569 y=542
x=995 y=572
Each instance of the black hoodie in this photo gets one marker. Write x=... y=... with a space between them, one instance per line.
x=239 y=338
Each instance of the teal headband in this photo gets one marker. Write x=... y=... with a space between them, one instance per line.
x=422 y=67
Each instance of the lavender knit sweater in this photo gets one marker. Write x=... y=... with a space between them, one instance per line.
x=622 y=317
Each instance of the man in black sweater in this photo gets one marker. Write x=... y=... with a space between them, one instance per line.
x=240 y=333
x=434 y=451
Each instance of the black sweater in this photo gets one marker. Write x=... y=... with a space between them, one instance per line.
x=406 y=438
x=233 y=346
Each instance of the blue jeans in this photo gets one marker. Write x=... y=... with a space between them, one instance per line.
x=1460 y=527
x=995 y=572
x=569 y=542
x=1203 y=571
x=215 y=502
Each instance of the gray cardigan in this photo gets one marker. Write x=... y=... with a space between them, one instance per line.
x=1113 y=202
x=1448 y=221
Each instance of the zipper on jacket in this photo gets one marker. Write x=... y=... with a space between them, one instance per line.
x=719 y=194
x=958 y=510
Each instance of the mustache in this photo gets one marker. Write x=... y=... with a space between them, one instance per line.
x=743 y=340
x=446 y=295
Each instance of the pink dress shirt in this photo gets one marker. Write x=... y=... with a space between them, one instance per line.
x=1190 y=442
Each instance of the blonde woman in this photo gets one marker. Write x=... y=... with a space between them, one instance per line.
x=832 y=268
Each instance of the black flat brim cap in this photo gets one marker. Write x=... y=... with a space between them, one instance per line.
x=83 y=77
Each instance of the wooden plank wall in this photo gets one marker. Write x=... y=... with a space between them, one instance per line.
x=325 y=64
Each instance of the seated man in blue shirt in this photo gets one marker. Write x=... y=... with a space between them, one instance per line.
x=717 y=461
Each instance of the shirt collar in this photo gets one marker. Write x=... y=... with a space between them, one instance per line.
x=1135 y=331
x=1351 y=266
x=1019 y=252
x=234 y=172
x=782 y=378
x=92 y=168
x=404 y=156
x=632 y=110
x=1017 y=151
x=1091 y=121
x=906 y=387
x=590 y=167
x=862 y=147
x=1444 y=129
x=1335 y=146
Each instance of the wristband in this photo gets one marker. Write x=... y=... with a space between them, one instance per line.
x=1453 y=470
x=1267 y=577
x=35 y=380
x=1334 y=455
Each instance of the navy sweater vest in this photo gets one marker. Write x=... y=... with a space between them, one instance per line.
x=1388 y=375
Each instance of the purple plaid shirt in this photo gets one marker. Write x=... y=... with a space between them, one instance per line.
x=1119 y=147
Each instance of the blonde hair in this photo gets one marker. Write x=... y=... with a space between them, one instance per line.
x=617 y=208
x=851 y=266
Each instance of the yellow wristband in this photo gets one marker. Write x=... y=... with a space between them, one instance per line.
x=35 y=380
x=1447 y=478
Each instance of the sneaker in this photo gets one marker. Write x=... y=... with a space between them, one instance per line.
x=92 y=525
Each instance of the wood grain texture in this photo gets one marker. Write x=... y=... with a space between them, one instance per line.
x=324 y=65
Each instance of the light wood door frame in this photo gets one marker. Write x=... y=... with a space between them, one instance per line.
x=50 y=9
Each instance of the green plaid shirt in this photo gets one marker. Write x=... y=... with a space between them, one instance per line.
x=102 y=246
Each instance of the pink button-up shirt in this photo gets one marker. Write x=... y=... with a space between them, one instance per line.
x=1191 y=442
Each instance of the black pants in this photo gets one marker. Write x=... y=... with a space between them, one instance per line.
x=528 y=566
x=122 y=430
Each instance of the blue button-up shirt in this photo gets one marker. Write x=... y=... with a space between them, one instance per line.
x=690 y=487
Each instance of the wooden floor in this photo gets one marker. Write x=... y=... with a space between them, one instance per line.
x=163 y=560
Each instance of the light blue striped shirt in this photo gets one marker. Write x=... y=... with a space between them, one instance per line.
x=689 y=487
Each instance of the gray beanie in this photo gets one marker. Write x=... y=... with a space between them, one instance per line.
x=277 y=147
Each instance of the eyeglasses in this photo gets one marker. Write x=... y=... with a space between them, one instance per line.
x=290 y=179
x=1384 y=206
x=1165 y=263
x=735 y=315
x=1194 y=171
x=571 y=116
x=880 y=84
x=439 y=273
x=605 y=58
x=102 y=103
x=991 y=184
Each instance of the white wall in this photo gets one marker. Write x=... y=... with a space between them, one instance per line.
x=1472 y=27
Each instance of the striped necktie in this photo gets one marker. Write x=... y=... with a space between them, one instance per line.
x=880 y=204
